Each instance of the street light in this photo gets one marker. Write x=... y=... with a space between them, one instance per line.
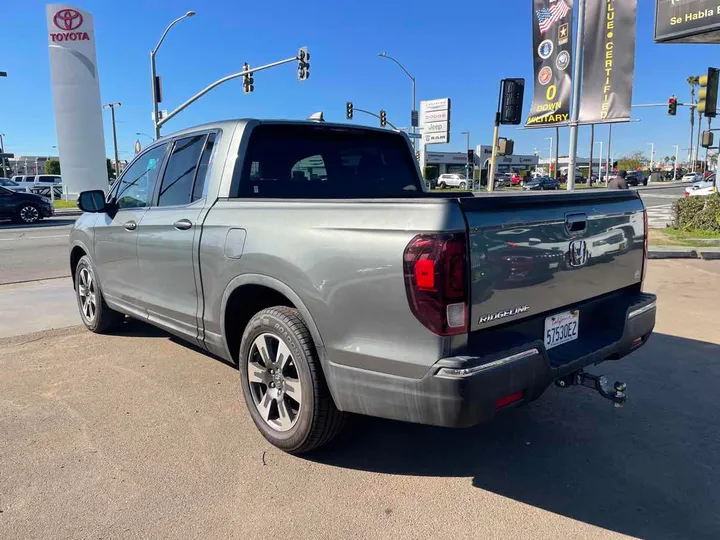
x=154 y=82
x=112 y=106
x=652 y=155
x=144 y=135
x=412 y=113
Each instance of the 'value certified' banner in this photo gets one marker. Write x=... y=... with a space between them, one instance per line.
x=608 y=61
x=687 y=21
x=552 y=46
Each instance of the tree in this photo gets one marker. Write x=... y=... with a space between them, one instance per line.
x=52 y=166
x=666 y=159
x=634 y=161
x=110 y=169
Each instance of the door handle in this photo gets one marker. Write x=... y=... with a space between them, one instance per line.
x=130 y=226
x=182 y=225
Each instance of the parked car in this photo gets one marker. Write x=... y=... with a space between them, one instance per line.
x=40 y=183
x=452 y=180
x=9 y=184
x=24 y=207
x=636 y=178
x=707 y=186
x=542 y=183
x=579 y=178
x=503 y=180
x=357 y=291
x=692 y=177
x=516 y=180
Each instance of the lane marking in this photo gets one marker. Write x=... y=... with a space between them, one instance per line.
x=35 y=237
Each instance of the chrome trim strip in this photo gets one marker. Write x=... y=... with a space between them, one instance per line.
x=460 y=373
x=641 y=310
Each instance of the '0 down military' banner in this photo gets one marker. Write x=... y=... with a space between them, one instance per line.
x=552 y=46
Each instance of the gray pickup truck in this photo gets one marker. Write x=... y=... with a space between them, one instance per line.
x=311 y=255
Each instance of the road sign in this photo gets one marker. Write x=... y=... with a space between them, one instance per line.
x=436 y=105
x=414 y=135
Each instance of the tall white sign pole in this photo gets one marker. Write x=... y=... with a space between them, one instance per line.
x=576 y=85
x=76 y=98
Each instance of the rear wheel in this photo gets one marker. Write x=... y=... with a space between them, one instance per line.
x=94 y=312
x=28 y=213
x=283 y=384
x=442 y=185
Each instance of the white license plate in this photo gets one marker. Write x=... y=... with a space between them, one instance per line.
x=561 y=328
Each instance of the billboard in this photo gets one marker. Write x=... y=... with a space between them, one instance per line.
x=687 y=21
x=435 y=121
x=552 y=60
x=76 y=98
x=608 y=61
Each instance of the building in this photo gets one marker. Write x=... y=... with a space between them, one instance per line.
x=438 y=163
x=29 y=164
x=581 y=163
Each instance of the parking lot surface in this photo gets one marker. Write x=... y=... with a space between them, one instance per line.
x=141 y=436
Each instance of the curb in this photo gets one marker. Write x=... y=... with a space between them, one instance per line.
x=683 y=253
x=67 y=212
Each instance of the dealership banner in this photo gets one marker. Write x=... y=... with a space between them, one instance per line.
x=687 y=21
x=552 y=56
x=608 y=61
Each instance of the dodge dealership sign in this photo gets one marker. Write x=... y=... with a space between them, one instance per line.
x=687 y=21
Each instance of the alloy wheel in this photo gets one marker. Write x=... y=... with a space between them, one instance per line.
x=29 y=214
x=274 y=382
x=87 y=295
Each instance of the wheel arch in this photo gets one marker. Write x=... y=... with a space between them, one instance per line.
x=77 y=252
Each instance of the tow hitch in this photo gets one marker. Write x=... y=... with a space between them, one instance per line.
x=615 y=393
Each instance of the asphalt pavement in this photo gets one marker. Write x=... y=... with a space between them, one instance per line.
x=139 y=435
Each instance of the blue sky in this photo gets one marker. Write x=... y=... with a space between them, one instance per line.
x=456 y=49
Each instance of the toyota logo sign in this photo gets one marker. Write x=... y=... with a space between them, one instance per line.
x=68 y=19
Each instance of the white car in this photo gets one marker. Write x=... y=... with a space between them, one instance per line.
x=12 y=186
x=692 y=177
x=708 y=186
x=40 y=183
x=452 y=180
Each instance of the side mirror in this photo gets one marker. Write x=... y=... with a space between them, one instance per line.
x=92 y=201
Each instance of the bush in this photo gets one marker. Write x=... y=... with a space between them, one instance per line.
x=697 y=213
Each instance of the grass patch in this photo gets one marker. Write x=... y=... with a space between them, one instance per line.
x=671 y=236
x=65 y=204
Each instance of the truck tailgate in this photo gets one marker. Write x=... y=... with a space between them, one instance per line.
x=537 y=253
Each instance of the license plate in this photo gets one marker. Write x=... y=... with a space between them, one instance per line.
x=561 y=328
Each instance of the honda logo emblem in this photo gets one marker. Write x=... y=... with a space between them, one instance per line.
x=578 y=253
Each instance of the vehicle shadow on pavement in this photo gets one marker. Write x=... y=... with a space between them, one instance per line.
x=650 y=470
x=9 y=225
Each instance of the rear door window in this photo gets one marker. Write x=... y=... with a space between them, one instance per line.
x=202 y=172
x=308 y=161
x=177 y=183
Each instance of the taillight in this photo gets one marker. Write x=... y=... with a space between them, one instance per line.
x=645 y=245
x=435 y=267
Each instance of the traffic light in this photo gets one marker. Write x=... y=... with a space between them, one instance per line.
x=417 y=155
x=248 y=80
x=505 y=146
x=513 y=91
x=471 y=156
x=707 y=139
x=303 y=59
x=672 y=106
x=383 y=119
x=349 y=110
x=708 y=95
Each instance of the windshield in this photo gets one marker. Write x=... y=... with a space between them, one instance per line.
x=308 y=161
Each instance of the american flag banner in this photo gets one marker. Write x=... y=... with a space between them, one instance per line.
x=548 y=16
x=551 y=22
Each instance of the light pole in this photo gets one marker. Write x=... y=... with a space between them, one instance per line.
x=154 y=81
x=677 y=150
x=467 y=166
x=144 y=135
x=112 y=106
x=652 y=155
x=2 y=150
x=412 y=111
x=550 y=158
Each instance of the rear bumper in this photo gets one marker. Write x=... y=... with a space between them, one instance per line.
x=452 y=398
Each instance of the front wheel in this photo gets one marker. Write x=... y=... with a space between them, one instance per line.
x=94 y=312
x=283 y=383
x=462 y=185
x=28 y=213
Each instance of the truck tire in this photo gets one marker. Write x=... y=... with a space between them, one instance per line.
x=283 y=383
x=94 y=312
